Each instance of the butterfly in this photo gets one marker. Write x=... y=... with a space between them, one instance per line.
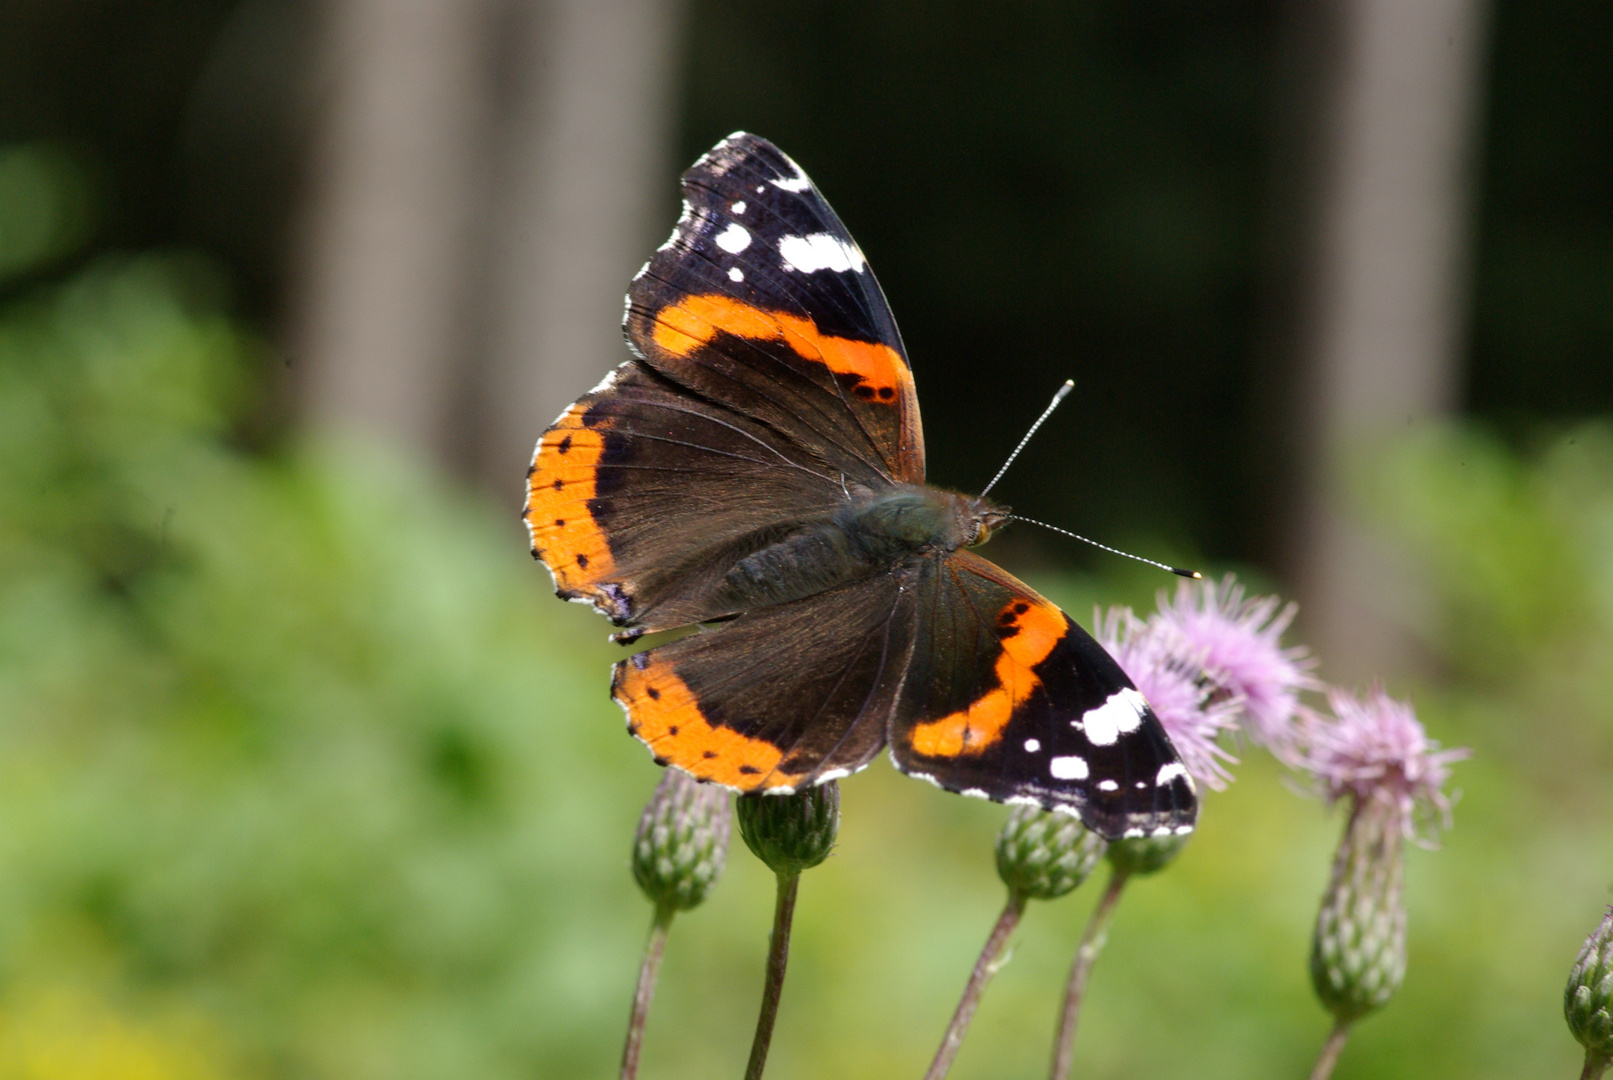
x=756 y=470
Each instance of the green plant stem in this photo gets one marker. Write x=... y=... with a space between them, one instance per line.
x=1595 y=1065
x=647 y=972
x=1331 y=1050
x=1092 y=941
x=778 y=955
x=985 y=967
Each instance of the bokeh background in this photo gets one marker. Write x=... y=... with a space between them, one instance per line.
x=303 y=773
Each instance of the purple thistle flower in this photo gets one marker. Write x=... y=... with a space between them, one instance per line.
x=1239 y=641
x=1168 y=671
x=1375 y=748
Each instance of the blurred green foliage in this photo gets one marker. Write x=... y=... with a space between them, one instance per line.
x=282 y=745
x=304 y=774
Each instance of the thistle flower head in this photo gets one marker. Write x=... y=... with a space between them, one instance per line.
x=1374 y=748
x=1239 y=642
x=1168 y=669
x=1588 y=1000
x=682 y=841
x=1142 y=855
x=791 y=833
x=1358 y=951
x=1041 y=855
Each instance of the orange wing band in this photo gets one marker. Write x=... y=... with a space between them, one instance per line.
x=695 y=321
x=1029 y=631
x=564 y=533
x=664 y=714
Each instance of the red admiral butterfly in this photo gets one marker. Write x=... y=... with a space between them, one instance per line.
x=759 y=468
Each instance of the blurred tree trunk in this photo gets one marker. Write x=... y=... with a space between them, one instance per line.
x=585 y=171
x=378 y=323
x=483 y=193
x=1369 y=290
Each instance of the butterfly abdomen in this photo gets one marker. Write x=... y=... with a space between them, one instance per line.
x=806 y=562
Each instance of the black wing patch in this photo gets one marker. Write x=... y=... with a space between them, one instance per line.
x=761 y=300
x=1007 y=699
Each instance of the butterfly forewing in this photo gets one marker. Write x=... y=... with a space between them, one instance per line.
x=641 y=496
x=762 y=300
x=1008 y=699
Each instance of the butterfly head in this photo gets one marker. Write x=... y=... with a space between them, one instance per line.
x=985 y=518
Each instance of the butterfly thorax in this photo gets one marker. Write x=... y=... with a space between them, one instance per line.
x=871 y=533
x=911 y=518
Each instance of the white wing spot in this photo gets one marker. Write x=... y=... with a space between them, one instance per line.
x=735 y=274
x=738 y=207
x=1169 y=772
x=1108 y=785
x=1032 y=745
x=1120 y=715
x=791 y=183
x=974 y=793
x=820 y=251
x=1068 y=768
x=734 y=239
x=833 y=774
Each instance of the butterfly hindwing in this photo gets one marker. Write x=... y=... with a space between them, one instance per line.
x=762 y=301
x=1007 y=698
x=777 y=698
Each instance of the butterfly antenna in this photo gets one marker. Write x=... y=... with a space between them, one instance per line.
x=1177 y=570
x=1064 y=392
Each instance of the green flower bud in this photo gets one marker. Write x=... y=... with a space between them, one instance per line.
x=1358 y=956
x=1588 y=1001
x=791 y=833
x=1146 y=854
x=682 y=841
x=1042 y=855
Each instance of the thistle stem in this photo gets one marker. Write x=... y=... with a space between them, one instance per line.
x=985 y=967
x=1092 y=942
x=778 y=955
x=1595 y=1065
x=1331 y=1050
x=645 y=991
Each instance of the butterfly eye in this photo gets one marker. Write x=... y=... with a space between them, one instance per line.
x=985 y=519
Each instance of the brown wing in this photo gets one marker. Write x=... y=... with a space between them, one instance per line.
x=778 y=698
x=642 y=495
x=771 y=388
